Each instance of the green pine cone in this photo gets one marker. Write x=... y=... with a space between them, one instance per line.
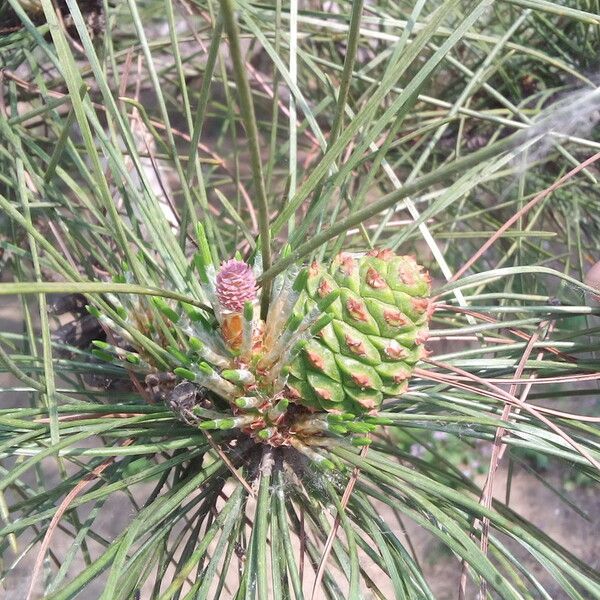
x=370 y=348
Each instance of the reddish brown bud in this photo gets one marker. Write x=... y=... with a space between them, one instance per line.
x=357 y=309
x=323 y=393
x=356 y=346
x=395 y=350
x=347 y=264
x=367 y=403
x=395 y=318
x=401 y=376
x=315 y=359
x=406 y=275
x=421 y=337
x=375 y=280
x=324 y=288
x=231 y=330
x=383 y=254
x=420 y=304
x=361 y=380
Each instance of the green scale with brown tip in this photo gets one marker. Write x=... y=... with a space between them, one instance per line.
x=370 y=348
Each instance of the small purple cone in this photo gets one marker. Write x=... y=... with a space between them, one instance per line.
x=236 y=285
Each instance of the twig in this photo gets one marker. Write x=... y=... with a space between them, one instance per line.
x=229 y=464
x=490 y=319
x=522 y=211
x=514 y=400
x=497 y=451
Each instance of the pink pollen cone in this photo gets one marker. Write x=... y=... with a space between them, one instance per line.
x=236 y=285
